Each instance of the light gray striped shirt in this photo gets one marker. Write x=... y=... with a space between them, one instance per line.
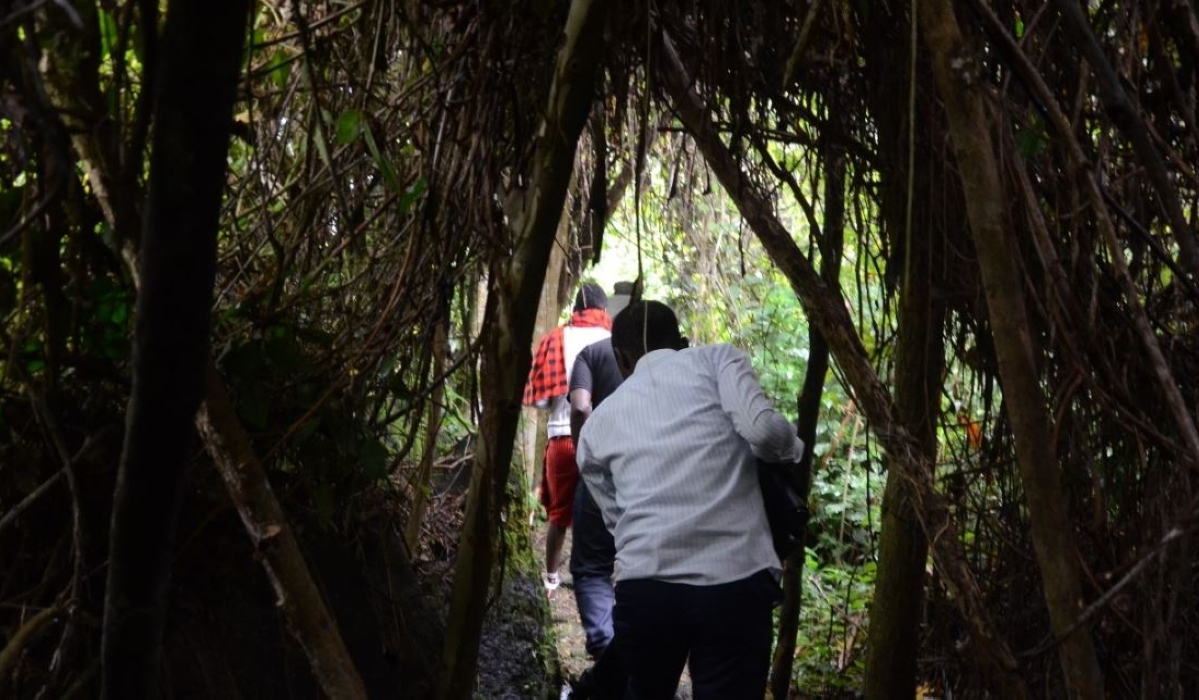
x=669 y=458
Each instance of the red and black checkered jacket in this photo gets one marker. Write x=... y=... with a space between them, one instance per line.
x=547 y=376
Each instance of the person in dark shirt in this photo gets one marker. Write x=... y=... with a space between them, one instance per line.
x=594 y=377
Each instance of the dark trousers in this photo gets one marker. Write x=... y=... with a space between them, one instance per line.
x=595 y=598
x=725 y=630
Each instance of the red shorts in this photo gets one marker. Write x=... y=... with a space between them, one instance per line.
x=558 y=480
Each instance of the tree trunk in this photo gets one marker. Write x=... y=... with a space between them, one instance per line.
x=907 y=126
x=826 y=310
x=202 y=45
x=420 y=493
x=515 y=284
x=298 y=599
x=831 y=245
x=955 y=73
x=897 y=606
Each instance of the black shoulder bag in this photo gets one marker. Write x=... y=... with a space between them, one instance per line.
x=785 y=509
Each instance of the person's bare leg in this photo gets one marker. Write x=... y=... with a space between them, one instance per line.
x=555 y=540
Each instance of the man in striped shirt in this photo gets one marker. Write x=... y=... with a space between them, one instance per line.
x=670 y=459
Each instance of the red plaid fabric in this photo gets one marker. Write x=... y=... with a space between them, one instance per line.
x=547 y=376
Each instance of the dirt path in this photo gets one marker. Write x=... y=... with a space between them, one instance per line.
x=572 y=650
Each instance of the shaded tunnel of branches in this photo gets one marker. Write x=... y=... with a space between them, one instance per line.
x=375 y=233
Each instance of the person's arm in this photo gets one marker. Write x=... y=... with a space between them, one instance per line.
x=769 y=433
x=581 y=382
x=598 y=477
x=580 y=411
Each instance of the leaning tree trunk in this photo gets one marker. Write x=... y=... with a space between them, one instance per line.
x=826 y=310
x=515 y=285
x=309 y=620
x=202 y=49
x=955 y=73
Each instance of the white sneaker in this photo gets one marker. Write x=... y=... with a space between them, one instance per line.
x=551 y=581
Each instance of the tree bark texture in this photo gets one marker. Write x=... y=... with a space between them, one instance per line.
x=954 y=71
x=826 y=310
x=516 y=280
x=196 y=89
x=298 y=599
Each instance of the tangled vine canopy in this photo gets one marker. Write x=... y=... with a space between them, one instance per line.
x=986 y=210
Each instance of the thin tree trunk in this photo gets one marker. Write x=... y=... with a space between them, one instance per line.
x=1052 y=531
x=298 y=598
x=826 y=310
x=422 y=489
x=202 y=52
x=897 y=605
x=908 y=124
x=515 y=284
x=810 y=397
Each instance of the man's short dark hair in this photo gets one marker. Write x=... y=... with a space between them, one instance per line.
x=644 y=327
x=591 y=296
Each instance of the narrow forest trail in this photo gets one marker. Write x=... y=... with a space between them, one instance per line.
x=568 y=632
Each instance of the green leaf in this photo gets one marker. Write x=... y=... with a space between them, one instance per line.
x=349 y=126
x=120 y=313
x=412 y=194
x=385 y=166
x=280 y=68
x=108 y=33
